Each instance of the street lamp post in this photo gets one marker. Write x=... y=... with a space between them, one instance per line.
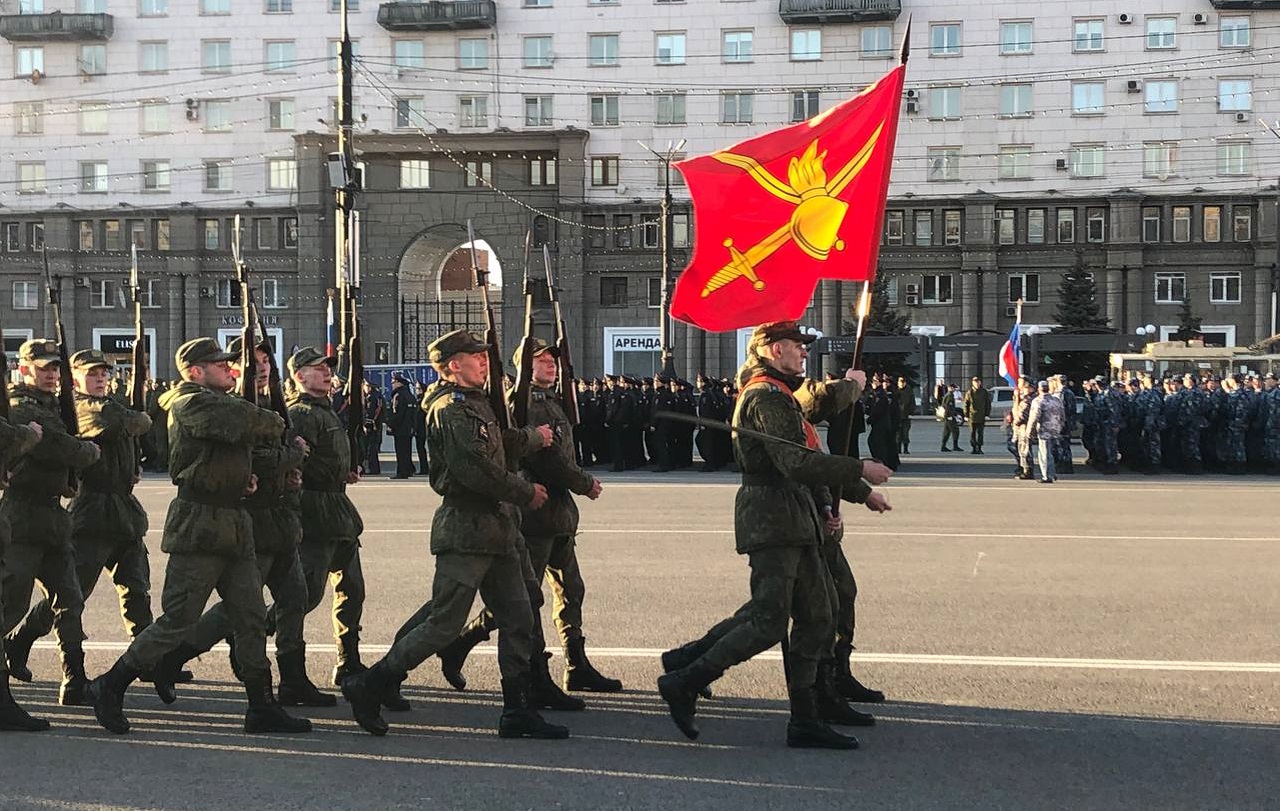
x=664 y=319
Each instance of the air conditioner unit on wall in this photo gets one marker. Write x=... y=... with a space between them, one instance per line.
x=1133 y=86
x=1124 y=19
x=912 y=93
x=913 y=290
x=913 y=106
x=913 y=300
x=206 y=292
x=1242 y=117
x=81 y=281
x=1200 y=18
x=1061 y=163
x=1011 y=311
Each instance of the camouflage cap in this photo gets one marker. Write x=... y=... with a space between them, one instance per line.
x=774 y=331
x=40 y=351
x=237 y=344
x=198 y=351
x=539 y=346
x=453 y=343
x=89 y=358
x=310 y=356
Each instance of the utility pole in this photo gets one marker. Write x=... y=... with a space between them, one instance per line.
x=345 y=180
x=664 y=319
x=1275 y=265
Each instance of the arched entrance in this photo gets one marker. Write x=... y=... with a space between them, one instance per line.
x=437 y=288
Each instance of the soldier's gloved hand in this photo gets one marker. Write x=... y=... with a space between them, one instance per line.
x=38 y=428
x=858 y=376
x=874 y=472
x=253 y=485
x=548 y=436
x=594 y=492
x=877 y=503
x=539 y=496
x=353 y=477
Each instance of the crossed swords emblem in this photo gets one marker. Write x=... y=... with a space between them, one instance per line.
x=816 y=220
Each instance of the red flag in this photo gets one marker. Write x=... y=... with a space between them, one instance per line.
x=776 y=213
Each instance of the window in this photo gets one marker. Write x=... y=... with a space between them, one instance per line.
x=1005 y=226
x=613 y=291
x=1015 y=100
x=1161 y=33
x=29 y=59
x=30 y=6
x=215 y=55
x=1066 y=226
x=1171 y=288
x=29 y=117
x=478 y=173
x=1211 y=220
x=264 y=236
x=410 y=112
x=805 y=104
x=1095 y=222
x=158 y=8
x=215 y=6
x=91 y=6
x=26 y=296
x=944 y=39
x=336 y=5
x=1151 y=224
x=1235 y=157
x=951 y=226
x=735 y=107
x=1087 y=98
x=537 y=52
x=93 y=118
x=102 y=294
x=1015 y=38
x=669 y=108
x=153 y=57
x=160 y=232
x=217 y=115
x=228 y=293
x=35 y=236
x=31 y=177
x=1087 y=160
x=155 y=175
x=877 y=42
x=1035 y=226
x=669 y=48
x=1235 y=94
x=1233 y=32
x=944 y=102
x=622 y=230
x=282 y=174
x=1014 y=162
x=1242 y=223
x=936 y=288
x=1181 y=224
x=924 y=228
x=155 y=115
x=1088 y=36
x=737 y=46
x=137 y=230
x=217 y=175
x=272 y=294
x=680 y=232
x=279 y=6
x=806 y=44
x=537 y=111
x=542 y=171
x=1161 y=95
x=650 y=234
x=604 y=171
x=409 y=54
x=473 y=111
x=537 y=3
x=335 y=53
x=289 y=232
x=93 y=176
x=1024 y=287
x=280 y=55
x=212 y=235
x=944 y=163
x=594 y=228
x=1224 y=287
x=604 y=50
x=280 y=114
x=473 y=54
x=85 y=235
x=1158 y=159
x=654 y=299
x=93 y=60
x=111 y=235
x=604 y=110
x=12 y=237
x=893 y=227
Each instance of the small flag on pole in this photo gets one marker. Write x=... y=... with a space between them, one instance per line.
x=1009 y=366
x=331 y=330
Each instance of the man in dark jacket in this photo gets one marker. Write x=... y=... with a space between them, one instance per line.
x=400 y=424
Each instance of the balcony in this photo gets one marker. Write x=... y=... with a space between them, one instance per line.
x=56 y=27
x=438 y=15
x=839 y=11
x=1245 y=5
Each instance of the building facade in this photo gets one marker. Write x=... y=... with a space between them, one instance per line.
x=1035 y=137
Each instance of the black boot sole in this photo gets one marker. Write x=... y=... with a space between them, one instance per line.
x=670 y=694
x=118 y=726
x=600 y=685
x=553 y=734
x=295 y=726
x=371 y=722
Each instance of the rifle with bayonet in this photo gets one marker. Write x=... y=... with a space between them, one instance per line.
x=566 y=389
x=496 y=398
x=248 y=388
x=275 y=386
x=524 y=374
x=354 y=390
x=66 y=386
x=138 y=378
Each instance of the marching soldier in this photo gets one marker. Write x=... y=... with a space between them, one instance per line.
x=40 y=548
x=208 y=535
x=15 y=440
x=108 y=524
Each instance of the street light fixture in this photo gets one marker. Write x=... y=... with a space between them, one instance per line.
x=664 y=320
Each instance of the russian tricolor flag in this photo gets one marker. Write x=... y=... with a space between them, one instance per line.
x=331 y=330
x=1009 y=354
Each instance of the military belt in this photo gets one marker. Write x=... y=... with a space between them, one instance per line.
x=187 y=493
x=764 y=479
x=470 y=501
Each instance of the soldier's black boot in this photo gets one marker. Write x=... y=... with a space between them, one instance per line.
x=847 y=685
x=544 y=693
x=365 y=691
x=684 y=656
x=519 y=717
x=832 y=707
x=394 y=701
x=680 y=690
x=12 y=717
x=296 y=689
x=580 y=674
x=17 y=650
x=454 y=655
x=349 y=663
x=106 y=693
x=71 y=692
x=806 y=730
x=265 y=713
x=168 y=672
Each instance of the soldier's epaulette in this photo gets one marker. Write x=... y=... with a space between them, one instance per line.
x=459 y=397
x=23 y=399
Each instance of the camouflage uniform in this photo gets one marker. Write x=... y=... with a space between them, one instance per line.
x=1062 y=462
x=1271 y=430
x=1150 y=403
x=1191 y=422
x=15 y=440
x=1234 y=424
x=1109 y=414
x=1089 y=425
x=1022 y=438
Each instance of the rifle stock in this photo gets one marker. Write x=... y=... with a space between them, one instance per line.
x=524 y=374
x=138 y=378
x=496 y=398
x=566 y=388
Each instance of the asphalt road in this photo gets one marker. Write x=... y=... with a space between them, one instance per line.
x=1102 y=643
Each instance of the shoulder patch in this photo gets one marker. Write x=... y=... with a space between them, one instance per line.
x=459 y=397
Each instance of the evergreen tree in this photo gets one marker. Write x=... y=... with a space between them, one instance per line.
x=1077 y=310
x=884 y=319
x=1188 y=323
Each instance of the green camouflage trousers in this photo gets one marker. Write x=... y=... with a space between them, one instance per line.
x=53 y=568
x=338 y=561
x=282 y=574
